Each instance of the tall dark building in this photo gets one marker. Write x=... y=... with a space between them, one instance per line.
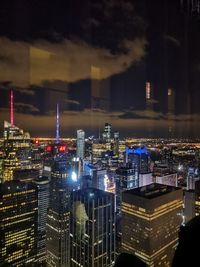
x=58 y=213
x=43 y=204
x=92 y=227
x=18 y=223
x=150 y=223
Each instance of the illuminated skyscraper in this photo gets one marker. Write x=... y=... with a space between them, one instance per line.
x=107 y=132
x=62 y=183
x=138 y=158
x=80 y=144
x=17 y=147
x=43 y=204
x=98 y=178
x=116 y=144
x=150 y=223
x=126 y=178
x=92 y=227
x=18 y=223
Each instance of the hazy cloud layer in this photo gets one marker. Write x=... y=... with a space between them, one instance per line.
x=25 y=64
x=26 y=108
x=93 y=120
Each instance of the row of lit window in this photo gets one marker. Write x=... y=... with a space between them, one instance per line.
x=152 y=216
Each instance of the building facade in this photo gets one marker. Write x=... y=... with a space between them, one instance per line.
x=150 y=223
x=18 y=223
x=80 y=146
x=92 y=227
x=42 y=184
x=57 y=230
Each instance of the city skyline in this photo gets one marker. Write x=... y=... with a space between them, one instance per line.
x=98 y=70
x=99 y=133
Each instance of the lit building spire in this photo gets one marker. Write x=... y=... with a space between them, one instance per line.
x=57 y=124
x=11 y=109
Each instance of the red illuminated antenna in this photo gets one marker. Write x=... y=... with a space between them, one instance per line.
x=11 y=109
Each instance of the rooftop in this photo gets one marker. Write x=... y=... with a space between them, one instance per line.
x=152 y=191
x=92 y=193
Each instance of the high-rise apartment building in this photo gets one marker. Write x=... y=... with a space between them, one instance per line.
x=80 y=144
x=150 y=223
x=18 y=223
x=92 y=229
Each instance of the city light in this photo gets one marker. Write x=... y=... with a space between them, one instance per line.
x=100 y=133
x=62 y=148
x=49 y=148
x=74 y=176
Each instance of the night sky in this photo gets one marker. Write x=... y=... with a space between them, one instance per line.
x=94 y=57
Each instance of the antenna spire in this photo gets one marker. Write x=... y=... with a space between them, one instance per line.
x=11 y=109
x=57 y=124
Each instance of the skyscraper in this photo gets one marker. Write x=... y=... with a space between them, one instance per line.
x=138 y=158
x=43 y=204
x=116 y=144
x=92 y=227
x=17 y=147
x=126 y=178
x=80 y=144
x=58 y=214
x=18 y=223
x=150 y=222
x=107 y=132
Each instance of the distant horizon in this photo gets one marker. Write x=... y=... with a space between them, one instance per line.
x=124 y=133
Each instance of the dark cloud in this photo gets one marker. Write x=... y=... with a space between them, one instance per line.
x=26 y=91
x=67 y=61
x=26 y=108
x=71 y=101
